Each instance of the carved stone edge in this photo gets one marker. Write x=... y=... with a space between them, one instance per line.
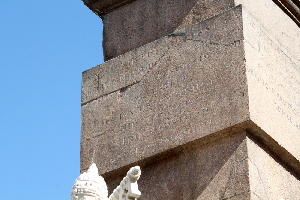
x=291 y=8
x=103 y=7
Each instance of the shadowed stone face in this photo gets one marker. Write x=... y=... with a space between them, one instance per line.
x=102 y=7
x=149 y=20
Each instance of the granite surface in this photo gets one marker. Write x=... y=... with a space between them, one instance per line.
x=272 y=47
x=185 y=86
x=153 y=19
x=202 y=94
x=269 y=177
x=213 y=170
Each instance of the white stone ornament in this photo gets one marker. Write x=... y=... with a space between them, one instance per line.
x=91 y=186
x=128 y=188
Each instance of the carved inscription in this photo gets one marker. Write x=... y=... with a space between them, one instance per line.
x=279 y=76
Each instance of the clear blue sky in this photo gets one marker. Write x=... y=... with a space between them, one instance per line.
x=44 y=48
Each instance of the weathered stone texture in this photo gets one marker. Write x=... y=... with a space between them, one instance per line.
x=221 y=31
x=215 y=170
x=273 y=72
x=269 y=177
x=235 y=166
x=149 y=20
x=195 y=88
x=267 y=17
x=206 y=100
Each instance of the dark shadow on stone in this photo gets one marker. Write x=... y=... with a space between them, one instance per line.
x=278 y=153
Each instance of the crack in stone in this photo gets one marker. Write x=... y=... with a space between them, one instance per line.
x=261 y=180
x=237 y=194
x=209 y=18
x=256 y=195
x=123 y=89
x=230 y=178
x=178 y=33
x=215 y=43
x=181 y=33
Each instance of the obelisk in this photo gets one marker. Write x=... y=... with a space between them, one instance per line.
x=203 y=95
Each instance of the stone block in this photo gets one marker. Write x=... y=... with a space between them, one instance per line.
x=206 y=99
x=270 y=178
x=149 y=20
x=192 y=85
x=266 y=17
x=210 y=170
x=235 y=166
x=273 y=72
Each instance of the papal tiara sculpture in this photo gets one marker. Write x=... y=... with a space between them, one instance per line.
x=91 y=186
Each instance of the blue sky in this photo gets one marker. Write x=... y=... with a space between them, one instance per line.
x=44 y=48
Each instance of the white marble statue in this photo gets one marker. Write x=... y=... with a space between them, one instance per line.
x=91 y=186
